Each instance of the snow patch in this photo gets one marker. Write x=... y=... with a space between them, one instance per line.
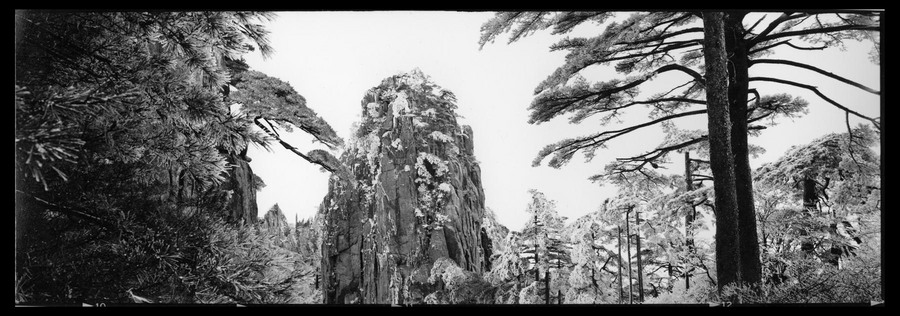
x=441 y=137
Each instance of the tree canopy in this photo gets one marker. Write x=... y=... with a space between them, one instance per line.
x=643 y=46
x=127 y=153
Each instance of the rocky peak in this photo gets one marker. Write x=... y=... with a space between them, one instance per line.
x=275 y=224
x=410 y=194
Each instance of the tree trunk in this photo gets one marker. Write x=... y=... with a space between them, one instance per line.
x=619 y=260
x=547 y=286
x=537 y=270
x=738 y=85
x=558 y=294
x=689 y=218
x=671 y=277
x=628 y=248
x=640 y=270
x=728 y=268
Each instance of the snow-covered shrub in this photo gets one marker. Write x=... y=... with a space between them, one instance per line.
x=441 y=137
x=531 y=294
x=701 y=292
x=458 y=286
x=811 y=282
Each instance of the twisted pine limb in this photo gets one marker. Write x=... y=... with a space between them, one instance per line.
x=293 y=149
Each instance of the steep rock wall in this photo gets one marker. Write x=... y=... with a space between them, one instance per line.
x=241 y=204
x=409 y=194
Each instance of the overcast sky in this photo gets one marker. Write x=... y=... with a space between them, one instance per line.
x=332 y=58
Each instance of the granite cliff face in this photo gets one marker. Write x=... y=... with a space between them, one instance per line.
x=241 y=202
x=408 y=195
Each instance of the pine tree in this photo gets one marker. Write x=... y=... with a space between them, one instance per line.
x=728 y=260
x=543 y=240
x=643 y=45
x=123 y=138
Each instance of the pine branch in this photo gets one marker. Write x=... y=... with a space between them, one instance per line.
x=816 y=69
x=570 y=20
x=781 y=19
x=526 y=27
x=670 y=22
x=292 y=148
x=670 y=46
x=664 y=36
x=651 y=156
x=824 y=30
x=820 y=94
x=545 y=109
x=788 y=43
x=750 y=29
x=572 y=67
x=598 y=139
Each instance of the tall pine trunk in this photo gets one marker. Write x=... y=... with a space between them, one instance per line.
x=547 y=286
x=537 y=269
x=728 y=263
x=738 y=85
x=628 y=248
x=689 y=218
x=619 y=261
x=558 y=291
x=640 y=270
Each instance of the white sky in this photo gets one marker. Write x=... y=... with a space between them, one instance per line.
x=332 y=58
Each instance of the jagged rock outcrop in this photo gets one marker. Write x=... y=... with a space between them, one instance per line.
x=299 y=246
x=409 y=194
x=275 y=224
x=493 y=238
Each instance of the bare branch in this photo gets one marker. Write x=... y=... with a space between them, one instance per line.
x=788 y=43
x=781 y=19
x=750 y=29
x=851 y=136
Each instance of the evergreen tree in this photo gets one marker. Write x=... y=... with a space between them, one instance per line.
x=728 y=230
x=544 y=247
x=124 y=148
x=645 y=45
